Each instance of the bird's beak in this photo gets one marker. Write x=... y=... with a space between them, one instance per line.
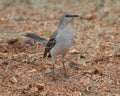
x=74 y=15
x=77 y=15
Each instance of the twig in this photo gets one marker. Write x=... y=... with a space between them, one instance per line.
x=12 y=16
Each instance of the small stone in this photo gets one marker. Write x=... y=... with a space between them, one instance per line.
x=12 y=41
x=40 y=86
x=33 y=90
x=72 y=64
x=31 y=61
x=1 y=62
x=117 y=95
x=82 y=62
x=2 y=19
x=30 y=42
x=51 y=16
x=33 y=70
x=81 y=56
x=96 y=71
x=74 y=51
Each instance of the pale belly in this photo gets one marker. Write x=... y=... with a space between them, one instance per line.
x=63 y=44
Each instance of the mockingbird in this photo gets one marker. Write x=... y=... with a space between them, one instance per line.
x=61 y=40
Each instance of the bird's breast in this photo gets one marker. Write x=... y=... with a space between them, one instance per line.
x=64 y=41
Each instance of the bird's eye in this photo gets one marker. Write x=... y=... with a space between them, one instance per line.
x=67 y=16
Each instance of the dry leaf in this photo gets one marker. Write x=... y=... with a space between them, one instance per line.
x=13 y=80
x=89 y=16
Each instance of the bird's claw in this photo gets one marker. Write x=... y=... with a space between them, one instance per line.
x=54 y=79
x=65 y=75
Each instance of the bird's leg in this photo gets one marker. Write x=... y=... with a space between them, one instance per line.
x=65 y=72
x=53 y=73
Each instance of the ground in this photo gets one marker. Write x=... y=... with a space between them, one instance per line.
x=93 y=63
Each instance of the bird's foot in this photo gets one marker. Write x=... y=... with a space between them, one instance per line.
x=54 y=79
x=66 y=75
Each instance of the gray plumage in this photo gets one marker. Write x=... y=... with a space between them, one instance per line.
x=60 y=42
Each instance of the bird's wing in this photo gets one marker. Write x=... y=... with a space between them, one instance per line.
x=51 y=43
x=48 y=44
x=37 y=38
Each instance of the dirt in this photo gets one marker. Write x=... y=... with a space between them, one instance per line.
x=93 y=63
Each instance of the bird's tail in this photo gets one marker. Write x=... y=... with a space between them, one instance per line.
x=37 y=38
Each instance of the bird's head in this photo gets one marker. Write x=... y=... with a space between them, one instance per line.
x=67 y=17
